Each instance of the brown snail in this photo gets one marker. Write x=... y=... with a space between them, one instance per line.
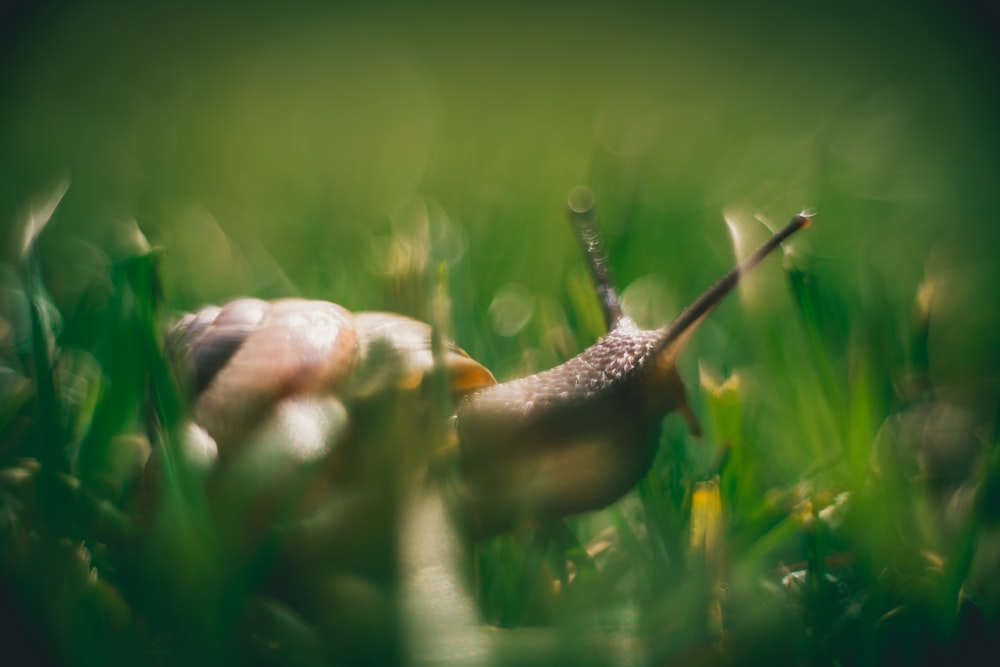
x=567 y=440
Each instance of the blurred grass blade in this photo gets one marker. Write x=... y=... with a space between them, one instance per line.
x=706 y=519
x=128 y=344
x=39 y=217
x=44 y=325
x=707 y=545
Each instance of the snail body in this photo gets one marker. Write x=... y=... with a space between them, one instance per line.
x=570 y=439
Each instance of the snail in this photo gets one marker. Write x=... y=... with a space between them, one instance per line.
x=567 y=440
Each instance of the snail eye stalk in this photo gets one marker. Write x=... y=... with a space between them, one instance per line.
x=580 y=209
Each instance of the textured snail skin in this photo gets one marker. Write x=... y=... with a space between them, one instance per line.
x=570 y=439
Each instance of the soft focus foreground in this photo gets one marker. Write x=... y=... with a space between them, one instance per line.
x=842 y=503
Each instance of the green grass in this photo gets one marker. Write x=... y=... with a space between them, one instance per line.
x=381 y=160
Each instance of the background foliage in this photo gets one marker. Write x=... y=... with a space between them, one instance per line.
x=345 y=152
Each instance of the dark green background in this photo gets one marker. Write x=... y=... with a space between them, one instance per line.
x=267 y=147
